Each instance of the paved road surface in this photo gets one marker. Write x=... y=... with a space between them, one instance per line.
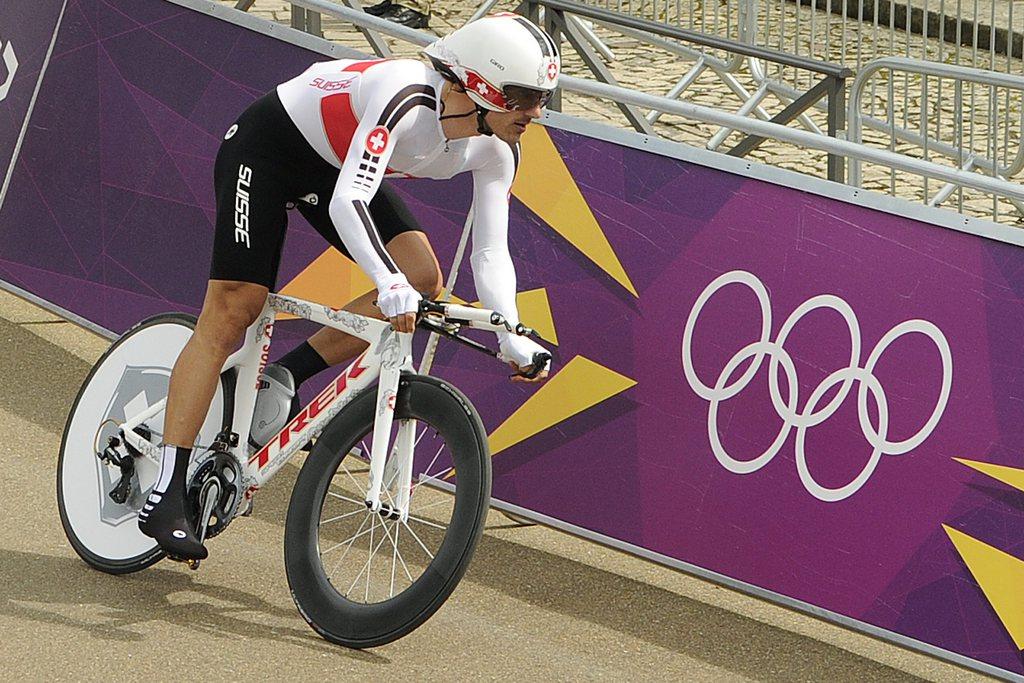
x=536 y=604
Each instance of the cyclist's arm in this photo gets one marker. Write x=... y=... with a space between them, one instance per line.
x=362 y=170
x=493 y=271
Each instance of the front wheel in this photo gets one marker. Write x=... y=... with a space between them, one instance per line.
x=363 y=579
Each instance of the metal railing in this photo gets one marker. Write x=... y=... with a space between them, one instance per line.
x=830 y=87
x=766 y=129
x=986 y=34
x=965 y=117
x=980 y=34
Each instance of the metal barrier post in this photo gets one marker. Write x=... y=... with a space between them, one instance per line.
x=529 y=9
x=305 y=20
x=551 y=26
x=594 y=63
x=836 y=123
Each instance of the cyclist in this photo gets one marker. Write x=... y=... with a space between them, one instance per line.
x=322 y=143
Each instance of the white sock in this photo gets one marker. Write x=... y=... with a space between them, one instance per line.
x=166 y=469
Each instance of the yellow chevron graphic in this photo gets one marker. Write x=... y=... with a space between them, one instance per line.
x=333 y=280
x=534 y=311
x=547 y=188
x=330 y=279
x=581 y=384
x=1000 y=576
x=1011 y=476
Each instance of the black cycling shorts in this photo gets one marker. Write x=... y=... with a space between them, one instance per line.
x=264 y=168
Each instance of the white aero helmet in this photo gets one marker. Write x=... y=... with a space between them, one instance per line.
x=503 y=61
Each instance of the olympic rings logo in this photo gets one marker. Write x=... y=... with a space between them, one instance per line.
x=810 y=415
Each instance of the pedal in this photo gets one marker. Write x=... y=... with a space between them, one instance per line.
x=224 y=441
x=191 y=564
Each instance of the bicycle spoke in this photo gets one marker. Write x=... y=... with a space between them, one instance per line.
x=420 y=437
x=427 y=469
x=366 y=566
x=430 y=505
x=394 y=562
x=425 y=522
x=430 y=554
x=369 y=559
x=397 y=529
x=347 y=514
x=346 y=498
x=356 y=580
x=358 y=487
x=433 y=477
x=349 y=541
x=344 y=554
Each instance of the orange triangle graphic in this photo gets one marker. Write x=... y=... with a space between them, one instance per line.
x=330 y=279
x=1011 y=476
x=1000 y=577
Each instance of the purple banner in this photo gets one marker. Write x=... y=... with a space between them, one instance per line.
x=26 y=31
x=814 y=398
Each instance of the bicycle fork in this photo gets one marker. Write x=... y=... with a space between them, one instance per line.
x=396 y=357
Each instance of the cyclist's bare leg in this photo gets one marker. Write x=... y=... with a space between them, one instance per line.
x=413 y=254
x=228 y=309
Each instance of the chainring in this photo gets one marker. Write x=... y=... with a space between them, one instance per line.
x=225 y=469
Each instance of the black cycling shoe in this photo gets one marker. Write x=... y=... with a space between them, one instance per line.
x=378 y=9
x=406 y=16
x=165 y=519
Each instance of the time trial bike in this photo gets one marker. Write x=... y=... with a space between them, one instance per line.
x=386 y=510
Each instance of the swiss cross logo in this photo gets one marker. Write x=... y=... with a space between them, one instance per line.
x=377 y=140
x=552 y=70
x=484 y=89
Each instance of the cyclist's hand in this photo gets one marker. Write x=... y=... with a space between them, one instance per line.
x=519 y=352
x=400 y=303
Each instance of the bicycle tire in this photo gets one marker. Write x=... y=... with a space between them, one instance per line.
x=99 y=549
x=358 y=625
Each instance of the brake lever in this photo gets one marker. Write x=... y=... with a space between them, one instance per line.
x=429 y=324
x=541 y=359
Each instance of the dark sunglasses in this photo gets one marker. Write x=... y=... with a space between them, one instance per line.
x=520 y=98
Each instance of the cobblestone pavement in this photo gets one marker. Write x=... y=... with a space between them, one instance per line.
x=966 y=125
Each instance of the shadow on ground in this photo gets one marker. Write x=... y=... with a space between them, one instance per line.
x=65 y=592
x=649 y=613
x=40 y=379
x=550 y=582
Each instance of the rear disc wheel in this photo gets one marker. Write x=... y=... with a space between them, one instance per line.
x=132 y=375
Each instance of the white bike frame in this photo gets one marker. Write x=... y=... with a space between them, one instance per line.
x=389 y=354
